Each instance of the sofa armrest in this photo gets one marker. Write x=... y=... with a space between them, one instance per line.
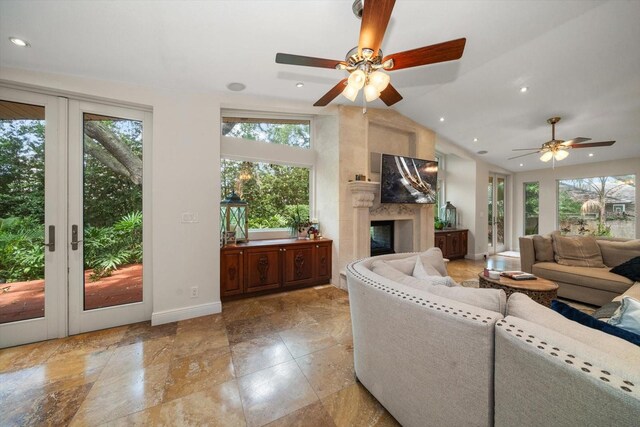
x=527 y=254
x=562 y=381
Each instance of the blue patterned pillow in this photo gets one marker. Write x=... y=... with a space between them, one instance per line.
x=586 y=320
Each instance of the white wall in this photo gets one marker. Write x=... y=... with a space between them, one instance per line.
x=548 y=190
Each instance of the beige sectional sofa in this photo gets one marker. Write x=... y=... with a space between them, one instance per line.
x=434 y=360
x=592 y=285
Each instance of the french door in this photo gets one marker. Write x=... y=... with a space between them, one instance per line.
x=496 y=213
x=71 y=216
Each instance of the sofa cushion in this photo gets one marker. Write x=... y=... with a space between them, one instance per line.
x=433 y=256
x=633 y=292
x=615 y=253
x=591 y=322
x=520 y=305
x=578 y=251
x=627 y=316
x=596 y=278
x=544 y=248
x=423 y=270
x=405 y=265
x=629 y=269
x=386 y=270
x=489 y=299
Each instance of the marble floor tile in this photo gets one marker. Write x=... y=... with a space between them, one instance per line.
x=44 y=406
x=114 y=397
x=329 y=370
x=198 y=372
x=246 y=329
x=259 y=353
x=193 y=342
x=326 y=309
x=218 y=405
x=306 y=339
x=206 y=323
x=289 y=319
x=139 y=355
x=339 y=327
x=25 y=356
x=241 y=309
x=355 y=406
x=271 y=393
x=313 y=415
x=89 y=342
x=280 y=303
x=143 y=331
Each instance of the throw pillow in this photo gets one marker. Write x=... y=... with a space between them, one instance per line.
x=433 y=256
x=543 y=246
x=577 y=251
x=627 y=316
x=586 y=320
x=489 y=299
x=616 y=252
x=403 y=264
x=385 y=270
x=424 y=270
x=629 y=269
x=606 y=311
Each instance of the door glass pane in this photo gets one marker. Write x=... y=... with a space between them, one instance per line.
x=112 y=211
x=499 y=208
x=531 y=207
x=490 y=211
x=21 y=211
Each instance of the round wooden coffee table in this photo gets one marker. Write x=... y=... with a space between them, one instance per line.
x=540 y=290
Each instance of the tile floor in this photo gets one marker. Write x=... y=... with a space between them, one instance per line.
x=280 y=360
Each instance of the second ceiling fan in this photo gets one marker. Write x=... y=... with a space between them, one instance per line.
x=366 y=62
x=557 y=149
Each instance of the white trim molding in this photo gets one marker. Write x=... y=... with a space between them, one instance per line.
x=184 y=313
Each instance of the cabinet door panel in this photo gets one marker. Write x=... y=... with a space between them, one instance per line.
x=263 y=269
x=231 y=273
x=323 y=261
x=441 y=242
x=298 y=265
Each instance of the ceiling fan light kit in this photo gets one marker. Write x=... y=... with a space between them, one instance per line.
x=366 y=61
x=557 y=149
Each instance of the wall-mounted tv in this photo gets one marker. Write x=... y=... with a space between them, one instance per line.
x=408 y=180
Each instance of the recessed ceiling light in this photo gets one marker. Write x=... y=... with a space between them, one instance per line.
x=236 y=87
x=482 y=152
x=590 y=154
x=299 y=84
x=19 y=42
x=475 y=139
x=521 y=164
x=442 y=119
x=523 y=89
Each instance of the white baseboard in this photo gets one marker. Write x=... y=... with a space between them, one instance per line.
x=477 y=256
x=168 y=316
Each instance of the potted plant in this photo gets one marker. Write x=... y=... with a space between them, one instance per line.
x=298 y=225
x=438 y=224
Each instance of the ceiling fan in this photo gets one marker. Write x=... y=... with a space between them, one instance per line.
x=558 y=149
x=365 y=62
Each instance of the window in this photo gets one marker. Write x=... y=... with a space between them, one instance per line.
x=531 y=207
x=267 y=160
x=600 y=206
x=285 y=131
x=273 y=191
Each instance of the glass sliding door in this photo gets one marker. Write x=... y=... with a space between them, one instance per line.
x=496 y=213
x=32 y=261
x=107 y=286
x=531 y=207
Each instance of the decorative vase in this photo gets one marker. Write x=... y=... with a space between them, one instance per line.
x=304 y=234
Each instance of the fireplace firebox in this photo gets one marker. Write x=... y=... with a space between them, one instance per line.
x=381 y=238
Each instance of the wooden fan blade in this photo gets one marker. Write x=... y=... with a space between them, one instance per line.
x=331 y=95
x=390 y=95
x=307 y=61
x=375 y=18
x=594 y=144
x=575 y=141
x=441 y=52
x=522 y=155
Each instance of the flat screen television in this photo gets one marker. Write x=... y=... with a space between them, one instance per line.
x=407 y=180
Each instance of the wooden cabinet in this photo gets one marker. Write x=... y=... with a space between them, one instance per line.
x=453 y=243
x=265 y=266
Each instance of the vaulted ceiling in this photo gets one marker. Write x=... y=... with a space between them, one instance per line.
x=579 y=59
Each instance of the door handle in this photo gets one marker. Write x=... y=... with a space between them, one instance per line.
x=74 y=237
x=52 y=239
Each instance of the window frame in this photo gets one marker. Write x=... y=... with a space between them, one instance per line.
x=246 y=150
